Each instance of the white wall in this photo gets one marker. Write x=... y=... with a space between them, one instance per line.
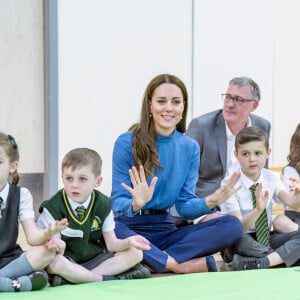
x=286 y=76
x=22 y=79
x=232 y=38
x=108 y=52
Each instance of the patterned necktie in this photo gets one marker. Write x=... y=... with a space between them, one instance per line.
x=261 y=224
x=80 y=212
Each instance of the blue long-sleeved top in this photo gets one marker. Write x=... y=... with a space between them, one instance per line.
x=179 y=157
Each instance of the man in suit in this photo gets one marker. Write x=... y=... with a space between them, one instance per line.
x=215 y=132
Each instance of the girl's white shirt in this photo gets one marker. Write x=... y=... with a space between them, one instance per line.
x=26 y=202
x=288 y=172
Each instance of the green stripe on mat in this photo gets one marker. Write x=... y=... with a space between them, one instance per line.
x=281 y=283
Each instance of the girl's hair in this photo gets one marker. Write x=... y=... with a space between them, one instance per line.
x=80 y=157
x=144 y=134
x=250 y=134
x=294 y=155
x=9 y=145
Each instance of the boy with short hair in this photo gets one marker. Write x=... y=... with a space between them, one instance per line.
x=93 y=253
x=258 y=248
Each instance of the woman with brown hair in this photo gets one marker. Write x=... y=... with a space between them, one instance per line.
x=155 y=165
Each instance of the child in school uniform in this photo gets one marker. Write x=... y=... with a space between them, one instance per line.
x=257 y=248
x=290 y=173
x=19 y=270
x=93 y=253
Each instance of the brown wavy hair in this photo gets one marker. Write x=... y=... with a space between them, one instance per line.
x=9 y=145
x=294 y=155
x=144 y=134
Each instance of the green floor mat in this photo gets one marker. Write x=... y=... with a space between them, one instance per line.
x=281 y=283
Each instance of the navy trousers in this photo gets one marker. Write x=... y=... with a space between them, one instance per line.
x=182 y=243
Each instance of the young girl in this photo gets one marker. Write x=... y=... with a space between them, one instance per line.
x=291 y=172
x=292 y=169
x=21 y=271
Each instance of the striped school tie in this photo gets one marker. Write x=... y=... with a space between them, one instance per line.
x=80 y=212
x=261 y=224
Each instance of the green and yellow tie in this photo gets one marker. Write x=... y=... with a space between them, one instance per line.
x=80 y=212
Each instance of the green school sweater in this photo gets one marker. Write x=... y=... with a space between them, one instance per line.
x=83 y=238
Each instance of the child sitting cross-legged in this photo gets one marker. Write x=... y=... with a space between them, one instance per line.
x=260 y=247
x=93 y=253
x=22 y=271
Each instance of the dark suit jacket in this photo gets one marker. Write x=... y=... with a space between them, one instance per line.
x=209 y=131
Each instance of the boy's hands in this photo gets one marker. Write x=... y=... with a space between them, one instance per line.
x=294 y=185
x=139 y=242
x=261 y=198
x=56 y=227
x=57 y=245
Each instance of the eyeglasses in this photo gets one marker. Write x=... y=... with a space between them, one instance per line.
x=12 y=141
x=235 y=99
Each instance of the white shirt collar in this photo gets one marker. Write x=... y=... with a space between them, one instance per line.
x=229 y=134
x=247 y=182
x=74 y=205
x=4 y=193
